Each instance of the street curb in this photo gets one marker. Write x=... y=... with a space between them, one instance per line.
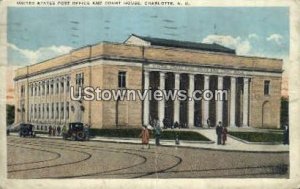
x=173 y=145
x=134 y=139
x=198 y=148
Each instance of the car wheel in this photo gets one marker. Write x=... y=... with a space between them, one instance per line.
x=80 y=136
x=73 y=138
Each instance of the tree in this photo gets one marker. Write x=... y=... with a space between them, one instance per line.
x=10 y=114
x=284 y=111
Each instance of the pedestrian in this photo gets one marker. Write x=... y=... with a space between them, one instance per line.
x=58 y=130
x=50 y=130
x=219 y=132
x=286 y=134
x=87 y=131
x=64 y=131
x=224 y=135
x=53 y=131
x=145 y=135
x=157 y=134
x=208 y=122
x=165 y=122
x=177 y=139
x=176 y=124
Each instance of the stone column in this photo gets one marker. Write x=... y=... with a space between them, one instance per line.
x=65 y=98
x=33 y=101
x=161 y=103
x=50 y=111
x=176 y=101
x=220 y=102
x=232 y=101
x=245 y=102
x=205 y=104
x=146 y=100
x=59 y=86
x=59 y=112
x=50 y=81
x=191 y=102
x=45 y=86
x=54 y=86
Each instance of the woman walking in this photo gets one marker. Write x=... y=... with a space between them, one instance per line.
x=145 y=137
x=224 y=135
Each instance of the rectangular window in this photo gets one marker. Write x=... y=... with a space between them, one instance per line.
x=47 y=111
x=61 y=86
x=43 y=88
x=122 y=80
x=57 y=111
x=62 y=110
x=267 y=88
x=52 y=111
x=35 y=116
x=67 y=110
x=79 y=79
x=48 y=88
x=39 y=111
x=57 y=85
x=68 y=85
x=51 y=87
x=42 y=114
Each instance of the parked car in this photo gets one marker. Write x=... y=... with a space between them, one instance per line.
x=26 y=130
x=75 y=132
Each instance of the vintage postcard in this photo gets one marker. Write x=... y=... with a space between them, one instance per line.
x=152 y=94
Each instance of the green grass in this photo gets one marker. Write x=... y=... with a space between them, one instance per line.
x=258 y=136
x=134 y=133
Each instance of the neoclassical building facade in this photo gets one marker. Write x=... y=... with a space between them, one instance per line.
x=42 y=90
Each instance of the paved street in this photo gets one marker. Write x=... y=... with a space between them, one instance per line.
x=55 y=158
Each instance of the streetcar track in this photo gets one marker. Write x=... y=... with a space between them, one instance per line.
x=58 y=155
x=141 y=174
x=56 y=165
x=149 y=173
x=179 y=160
x=143 y=157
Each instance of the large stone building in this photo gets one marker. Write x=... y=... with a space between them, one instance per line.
x=42 y=90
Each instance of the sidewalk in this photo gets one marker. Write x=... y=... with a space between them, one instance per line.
x=231 y=144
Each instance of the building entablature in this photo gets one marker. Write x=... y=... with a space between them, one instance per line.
x=149 y=55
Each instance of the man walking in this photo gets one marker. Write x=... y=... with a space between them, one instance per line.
x=157 y=133
x=286 y=134
x=219 y=132
x=87 y=131
x=50 y=130
x=58 y=130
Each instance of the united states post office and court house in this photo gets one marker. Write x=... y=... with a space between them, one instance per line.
x=42 y=90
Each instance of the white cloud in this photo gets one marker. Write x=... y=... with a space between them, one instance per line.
x=43 y=53
x=277 y=38
x=253 y=36
x=241 y=46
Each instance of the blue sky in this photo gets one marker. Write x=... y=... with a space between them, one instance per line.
x=36 y=34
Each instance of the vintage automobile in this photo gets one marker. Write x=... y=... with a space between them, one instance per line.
x=75 y=132
x=26 y=130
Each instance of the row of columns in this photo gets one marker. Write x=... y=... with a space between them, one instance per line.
x=40 y=88
x=205 y=109
x=59 y=88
